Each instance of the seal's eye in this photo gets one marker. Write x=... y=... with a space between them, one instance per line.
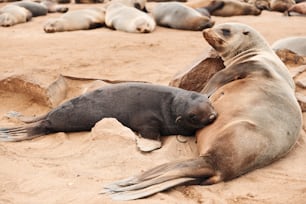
x=245 y=32
x=226 y=32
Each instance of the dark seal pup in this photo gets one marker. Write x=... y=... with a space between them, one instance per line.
x=151 y=110
x=259 y=118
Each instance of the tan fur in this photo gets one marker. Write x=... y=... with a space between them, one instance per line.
x=259 y=119
x=179 y=16
x=296 y=44
x=281 y=5
x=129 y=19
x=11 y=15
x=198 y=3
x=76 y=20
x=242 y=138
x=299 y=8
x=235 y=8
x=139 y=4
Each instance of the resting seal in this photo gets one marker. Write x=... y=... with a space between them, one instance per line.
x=150 y=110
x=227 y=8
x=179 y=16
x=42 y=8
x=129 y=19
x=259 y=118
x=281 y=5
x=83 y=19
x=139 y=4
x=11 y=15
x=296 y=44
x=299 y=8
x=35 y=8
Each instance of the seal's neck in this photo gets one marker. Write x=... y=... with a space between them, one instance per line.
x=230 y=59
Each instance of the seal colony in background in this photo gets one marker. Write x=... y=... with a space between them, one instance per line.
x=253 y=93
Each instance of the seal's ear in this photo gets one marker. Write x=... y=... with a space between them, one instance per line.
x=178 y=119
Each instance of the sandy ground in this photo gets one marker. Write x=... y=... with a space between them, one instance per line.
x=72 y=168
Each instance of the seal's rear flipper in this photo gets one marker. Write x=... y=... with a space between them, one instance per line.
x=22 y=118
x=141 y=193
x=163 y=177
x=25 y=132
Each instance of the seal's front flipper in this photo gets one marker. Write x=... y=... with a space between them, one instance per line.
x=147 y=145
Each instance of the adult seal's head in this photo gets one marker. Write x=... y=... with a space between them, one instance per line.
x=222 y=39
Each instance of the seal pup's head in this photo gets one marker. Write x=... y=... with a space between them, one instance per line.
x=12 y=14
x=54 y=25
x=7 y=19
x=194 y=110
x=144 y=24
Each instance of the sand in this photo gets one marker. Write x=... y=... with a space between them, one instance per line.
x=72 y=168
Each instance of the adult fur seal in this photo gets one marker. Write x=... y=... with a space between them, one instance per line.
x=299 y=8
x=179 y=16
x=281 y=5
x=227 y=8
x=123 y=17
x=259 y=118
x=11 y=15
x=82 y=19
x=42 y=8
x=139 y=4
x=151 y=110
x=296 y=44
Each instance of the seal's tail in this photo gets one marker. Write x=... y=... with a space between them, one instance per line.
x=160 y=178
x=25 y=132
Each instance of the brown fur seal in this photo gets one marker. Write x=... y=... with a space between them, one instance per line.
x=88 y=1
x=198 y=3
x=53 y=7
x=296 y=44
x=150 y=110
x=281 y=5
x=260 y=4
x=42 y=8
x=35 y=8
x=139 y=4
x=122 y=17
x=11 y=15
x=179 y=16
x=259 y=117
x=83 y=19
x=299 y=8
x=228 y=8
